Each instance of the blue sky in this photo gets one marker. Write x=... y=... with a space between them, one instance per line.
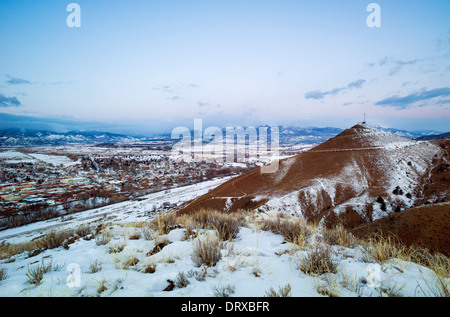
x=152 y=65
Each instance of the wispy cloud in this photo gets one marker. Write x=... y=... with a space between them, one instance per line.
x=317 y=94
x=17 y=81
x=410 y=100
x=9 y=101
x=202 y=104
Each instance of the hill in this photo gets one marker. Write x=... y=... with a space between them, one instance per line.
x=425 y=226
x=358 y=176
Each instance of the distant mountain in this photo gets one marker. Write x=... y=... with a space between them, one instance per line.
x=308 y=135
x=25 y=137
x=434 y=137
x=408 y=134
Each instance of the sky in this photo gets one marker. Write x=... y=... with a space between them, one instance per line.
x=144 y=66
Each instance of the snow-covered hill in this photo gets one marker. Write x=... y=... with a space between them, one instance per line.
x=360 y=175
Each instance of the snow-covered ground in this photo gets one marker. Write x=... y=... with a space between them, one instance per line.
x=54 y=159
x=251 y=265
x=129 y=211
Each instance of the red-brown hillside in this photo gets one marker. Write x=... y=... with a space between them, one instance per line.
x=360 y=175
x=426 y=226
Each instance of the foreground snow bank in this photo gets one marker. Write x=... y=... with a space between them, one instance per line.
x=139 y=259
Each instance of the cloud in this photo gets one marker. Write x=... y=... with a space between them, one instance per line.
x=395 y=65
x=9 y=101
x=356 y=84
x=17 y=81
x=317 y=94
x=409 y=100
x=202 y=104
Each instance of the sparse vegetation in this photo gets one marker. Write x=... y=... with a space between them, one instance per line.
x=318 y=260
x=182 y=280
x=95 y=267
x=316 y=251
x=36 y=273
x=283 y=291
x=206 y=250
x=339 y=236
x=291 y=230
x=3 y=274
x=223 y=290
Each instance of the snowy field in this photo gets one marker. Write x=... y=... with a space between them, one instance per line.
x=128 y=257
x=19 y=157
x=55 y=160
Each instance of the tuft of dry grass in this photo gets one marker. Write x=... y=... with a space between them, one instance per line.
x=130 y=260
x=292 y=230
x=52 y=240
x=35 y=273
x=318 y=260
x=225 y=224
x=164 y=223
x=182 y=280
x=3 y=274
x=284 y=291
x=339 y=236
x=380 y=248
x=206 y=250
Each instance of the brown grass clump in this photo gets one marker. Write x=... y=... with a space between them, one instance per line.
x=382 y=248
x=339 y=236
x=206 y=250
x=291 y=230
x=52 y=240
x=225 y=224
x=164 y=223
x=318 y=260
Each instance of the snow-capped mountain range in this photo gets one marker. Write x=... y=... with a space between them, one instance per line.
x=288 y=136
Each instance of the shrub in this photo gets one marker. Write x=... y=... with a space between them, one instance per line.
x=226 y=225
x=102 y=239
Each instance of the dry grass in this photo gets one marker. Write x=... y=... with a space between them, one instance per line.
x=380 y=248
x=3 y=274
x=318 y=260
x=52 y=240
x=339 y=236
x=164 y=223
x=206 y=250
x=293 y=230
x=182 y=280
x=35 y=273
x=225 y=224
x=95 y=267
x=284 y=291
x=223 y=290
